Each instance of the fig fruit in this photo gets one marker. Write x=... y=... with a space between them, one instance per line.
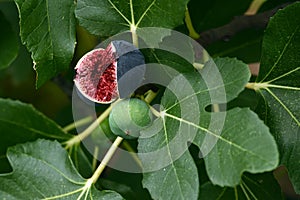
x=99 y=72
x=128 y=117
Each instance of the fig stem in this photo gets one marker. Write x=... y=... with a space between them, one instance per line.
x=135 y=39
x=78 y=138
x=106 y=159
x=78 y=123
x=254 y=7
x=155 y=112
x=101 y=167
x=150 y=95
x=192 y=33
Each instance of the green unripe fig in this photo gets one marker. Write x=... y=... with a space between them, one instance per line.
x=128 y=117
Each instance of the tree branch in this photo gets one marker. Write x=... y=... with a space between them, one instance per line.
x=239 y=23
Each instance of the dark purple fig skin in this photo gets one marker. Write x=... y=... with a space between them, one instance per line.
x=122 y=47
x=130 y=72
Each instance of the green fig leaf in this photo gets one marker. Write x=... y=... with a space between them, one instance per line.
x=109 y=17
x=43 y=170
x=21 y=122
x=231 y=146
x=47 y=29
x=257 y=186
x=279 y=84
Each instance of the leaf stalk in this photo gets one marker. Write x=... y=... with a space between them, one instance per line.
x=106 y=159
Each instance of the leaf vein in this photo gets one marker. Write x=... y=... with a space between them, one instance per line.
x=283 y=51
x=284 y=106
x=54 y=168
x=170 y=155
x=217 y=136
x=283 y=75
x=33 y=130
x=145 y=12
x=119 y=12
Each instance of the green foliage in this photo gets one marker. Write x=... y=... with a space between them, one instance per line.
x=210 y=138
x=179 y=180
x=20 y=122
x=245 y=45
x=58 y=177
x=110 y=17
x=8 y=41
x=258 y=186
x=48 y=34
x=279 y=75
x=245 y=143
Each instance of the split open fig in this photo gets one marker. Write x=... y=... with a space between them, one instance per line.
x=101 y=72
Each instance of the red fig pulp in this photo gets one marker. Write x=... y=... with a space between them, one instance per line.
x=96 y=75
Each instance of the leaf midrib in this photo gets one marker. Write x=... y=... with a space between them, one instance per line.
x=281 y=54
x=218 y=136
x=170 y=155
x=32 y=129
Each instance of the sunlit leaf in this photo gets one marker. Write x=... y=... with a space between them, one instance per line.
x=183 y=118
x=279 y=84
x=108 y=17
x=236 y=146
x=47 y=28
x=178 y=180
x=245 y=144
x=43 y=170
